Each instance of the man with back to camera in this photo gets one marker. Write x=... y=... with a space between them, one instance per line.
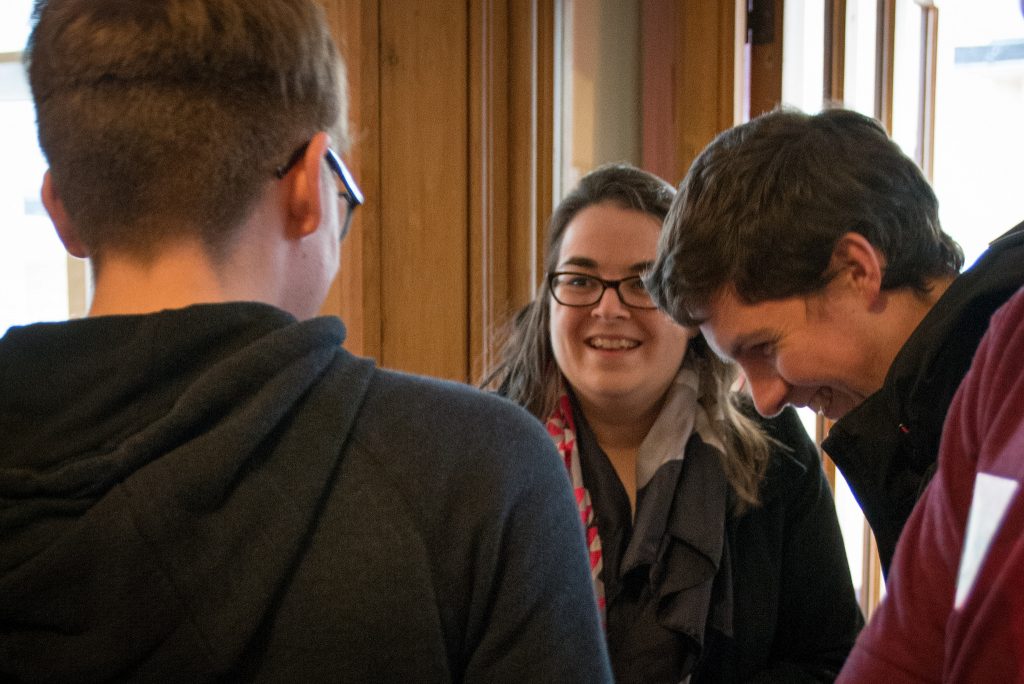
x=197 y=481
x=809 y=251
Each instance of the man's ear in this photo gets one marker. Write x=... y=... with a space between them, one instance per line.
x=67 y=231
x=304 y=195
x=858 y=264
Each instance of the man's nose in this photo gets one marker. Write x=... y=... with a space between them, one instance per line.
x=770 y=392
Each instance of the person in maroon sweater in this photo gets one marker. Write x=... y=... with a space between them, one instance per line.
x=955 y=610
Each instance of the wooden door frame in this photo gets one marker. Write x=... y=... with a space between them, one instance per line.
x=504 y=176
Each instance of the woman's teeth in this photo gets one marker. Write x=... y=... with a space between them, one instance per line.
x=612 y=343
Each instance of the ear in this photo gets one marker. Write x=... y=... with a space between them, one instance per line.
x=858 y=264
x=304 y=194
x=67 y=231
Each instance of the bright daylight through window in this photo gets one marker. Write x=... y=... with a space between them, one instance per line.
x=976 y=142
x=38 y=281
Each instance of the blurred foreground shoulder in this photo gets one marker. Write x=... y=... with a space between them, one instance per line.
x=486 y=500
x=455 y=426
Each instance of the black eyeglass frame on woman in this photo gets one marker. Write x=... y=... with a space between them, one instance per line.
x=553 y=286
x=348 y=189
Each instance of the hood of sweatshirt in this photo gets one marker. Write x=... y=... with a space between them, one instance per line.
x=158 y=477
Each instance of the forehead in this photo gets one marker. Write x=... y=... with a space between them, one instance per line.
x=730 y=325
x=606 y=233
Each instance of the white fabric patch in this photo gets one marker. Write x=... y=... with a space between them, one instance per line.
x=992 y=496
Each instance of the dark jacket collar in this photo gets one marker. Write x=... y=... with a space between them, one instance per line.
x=886 y=448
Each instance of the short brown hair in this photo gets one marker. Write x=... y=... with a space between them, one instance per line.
x=163 y=120
x=763 y=206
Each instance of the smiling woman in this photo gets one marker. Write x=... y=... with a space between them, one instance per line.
x=619 y=359
x=715 y=551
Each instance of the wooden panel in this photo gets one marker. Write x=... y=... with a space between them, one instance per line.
x=489 y=178
x=658 y=38
x=424 y=180
x=835 y=51
x=531 y=141
x=699 y=70
x=355 y=294
x=732 y=28
x=511 y=161
x=451 y=106
x=871 y=575
x=766 y=67
x=821 y=427
x=885 y=62
x=707 y=45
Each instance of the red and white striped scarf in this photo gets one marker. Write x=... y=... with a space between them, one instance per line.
x=562 y=429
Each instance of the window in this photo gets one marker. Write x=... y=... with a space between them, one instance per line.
x=599 y=87
x=802 y=54
x=38 y=280
x=979 y=102
x=947 y=79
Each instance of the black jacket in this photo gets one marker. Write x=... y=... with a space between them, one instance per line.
x=796 y=616
x=887 y=447
x=761 y=596
x=222 y=493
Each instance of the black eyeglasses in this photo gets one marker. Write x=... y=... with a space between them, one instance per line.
x=580 y=289
x=347 y=188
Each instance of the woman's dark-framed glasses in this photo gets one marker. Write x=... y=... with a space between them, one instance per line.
x=581 y=289
x=347 y=188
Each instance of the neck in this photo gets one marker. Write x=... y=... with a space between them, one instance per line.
x=619 y=427
x=908 y=307
x=180 y=275
x=937 y=288
x=257 y=266
x=620 y=431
